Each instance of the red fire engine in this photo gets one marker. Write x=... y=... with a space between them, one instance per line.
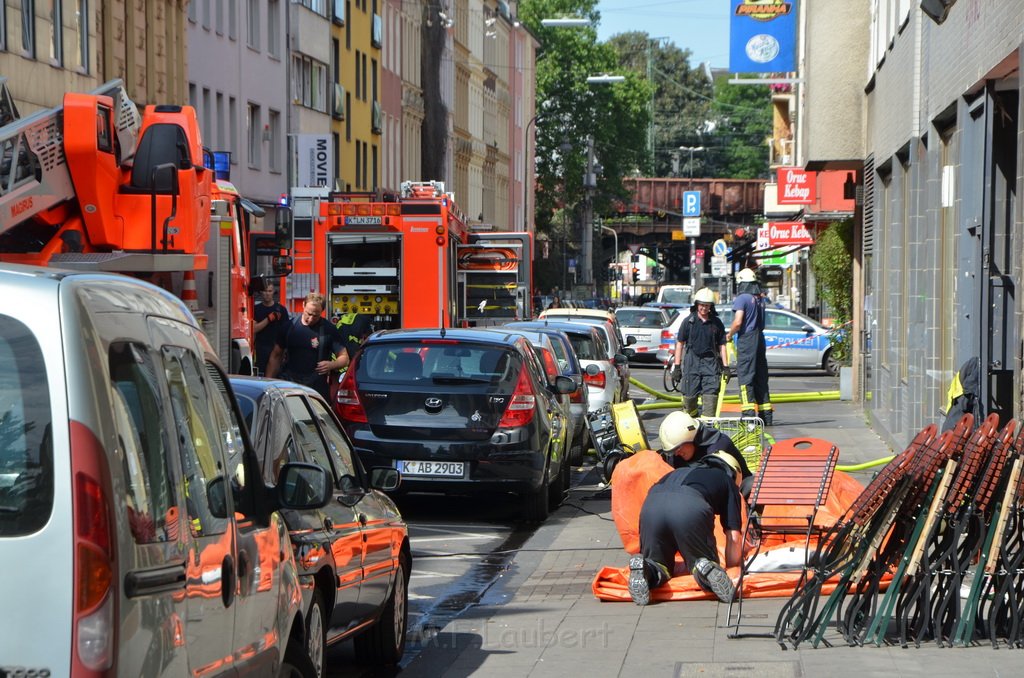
x=94 y=185
x=408 y=260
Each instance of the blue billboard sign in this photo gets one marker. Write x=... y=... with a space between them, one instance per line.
x=762 y=36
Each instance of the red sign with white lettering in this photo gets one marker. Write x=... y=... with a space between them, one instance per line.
x=796 y=186
x=788 y=233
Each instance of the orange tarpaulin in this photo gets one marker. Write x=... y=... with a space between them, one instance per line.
x=632 y=479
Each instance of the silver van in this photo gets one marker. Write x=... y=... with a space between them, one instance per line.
x=136 y=533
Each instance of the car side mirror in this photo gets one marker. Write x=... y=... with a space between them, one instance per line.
x=564 y=385
x=351 y=490
x=302 y=486
x=807 y=329
x=620 y=359
x=385 y=478
x=630 y=340
x=216 y=497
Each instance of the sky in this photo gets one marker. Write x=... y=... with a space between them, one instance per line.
x=702 y=26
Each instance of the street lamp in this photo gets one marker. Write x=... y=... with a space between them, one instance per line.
x=605 y=79
x=569 y=22
x=527 y=175
x=615 y=235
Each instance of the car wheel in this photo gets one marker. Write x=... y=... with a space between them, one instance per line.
x=536 y=507
x=383 y=644
x=830 y=364
x=316 y=633
x=557 y=489
x=297 y=663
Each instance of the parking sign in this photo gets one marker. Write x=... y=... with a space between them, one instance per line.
x=691 y=203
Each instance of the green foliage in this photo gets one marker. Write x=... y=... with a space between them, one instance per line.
x=742 y=123
x=832 y=262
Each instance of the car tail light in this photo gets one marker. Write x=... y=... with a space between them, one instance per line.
x=522 y=404
x=597 y=380
x=94 y=610
x=348 y=407
x=550 y=365
x=666 y=338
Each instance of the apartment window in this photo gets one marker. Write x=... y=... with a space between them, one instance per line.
x=348 y=118
x=359 y=165
x=218 y=19
x=80 y=55
x=336 y=145
x=365 y=167
x=56 y=33
x=233 y=129
x=309 y=83
x=206 y=14
x=192 y=95
x=274 y=151
x=274 y=28
x=193 y=12
x=373 y=80
x=253 y=16
x=318 y=6
x=339 y=12
x=359 y=81
x=373 y=168
x=232 y=18
x=348 y=25
x=222 y=132
x=255 y=130
x=28 y=28
x=364 y=78
x=207 y=109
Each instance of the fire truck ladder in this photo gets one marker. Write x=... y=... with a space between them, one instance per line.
x=34 y=173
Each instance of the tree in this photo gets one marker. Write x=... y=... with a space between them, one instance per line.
x=741 y=124
x=681 y=97
x=832 y=262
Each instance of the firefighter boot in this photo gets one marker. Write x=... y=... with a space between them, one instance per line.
x=690 y=405
x=748 y=414
x=709 y=405
x=766 y=417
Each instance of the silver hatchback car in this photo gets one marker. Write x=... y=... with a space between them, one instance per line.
x=137 y=535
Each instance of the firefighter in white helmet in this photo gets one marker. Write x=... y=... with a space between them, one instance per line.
x=701 y=357
x=751 y=358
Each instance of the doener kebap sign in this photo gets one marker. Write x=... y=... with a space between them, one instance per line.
x=788 y=233
x=796 y=186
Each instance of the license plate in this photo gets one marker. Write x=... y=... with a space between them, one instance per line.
x=363 y=221
x=443 y=469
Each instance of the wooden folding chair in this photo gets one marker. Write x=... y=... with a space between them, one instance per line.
x=789 y=487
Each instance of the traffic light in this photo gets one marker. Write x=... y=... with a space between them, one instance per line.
x=636 y=274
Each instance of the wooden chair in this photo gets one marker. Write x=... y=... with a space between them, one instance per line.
x=789 y=487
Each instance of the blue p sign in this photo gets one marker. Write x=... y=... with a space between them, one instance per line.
x=691 y=203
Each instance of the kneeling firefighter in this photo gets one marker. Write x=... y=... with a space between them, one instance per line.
x=678 y=516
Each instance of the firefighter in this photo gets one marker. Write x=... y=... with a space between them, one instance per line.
x=354 y=328
x=751 y=359
x=686 y=441
x=305 y=347
x=269 y=317
x=702 y=336
x=678 y=516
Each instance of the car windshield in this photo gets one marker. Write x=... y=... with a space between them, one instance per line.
x=639 y=318
x=675 y=295
x=443 y=362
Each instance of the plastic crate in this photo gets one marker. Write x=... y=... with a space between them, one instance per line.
x=747 y=433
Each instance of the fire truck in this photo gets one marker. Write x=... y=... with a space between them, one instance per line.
x=96 y=185
x=408 y=260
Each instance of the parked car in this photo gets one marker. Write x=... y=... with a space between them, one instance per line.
x=138 y=536
x=675 y=294
x=460 y=411
x=609 y=325
x=590 y=344
x=646 y=325
x=667 y=345
x=570 y=366
x=794 y=341
x=353 y=554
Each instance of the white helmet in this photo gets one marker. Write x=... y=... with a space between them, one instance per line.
x=677 y=428
x=704 y=296
x=746 y=276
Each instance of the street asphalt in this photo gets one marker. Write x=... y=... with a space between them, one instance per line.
x=542 y=619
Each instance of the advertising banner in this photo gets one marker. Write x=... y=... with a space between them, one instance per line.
x=315 y=160
x=762 y=36
x=796 y=186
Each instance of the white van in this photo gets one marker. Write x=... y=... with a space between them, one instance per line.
x=675 y=294
x=136 y=533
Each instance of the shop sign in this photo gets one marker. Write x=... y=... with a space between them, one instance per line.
x=788 y=233
x=796 y=186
